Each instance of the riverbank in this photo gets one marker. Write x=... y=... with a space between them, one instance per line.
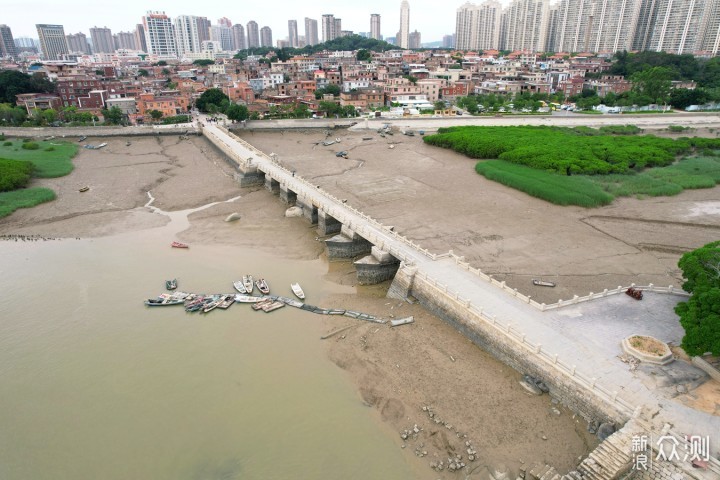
x=397 y=371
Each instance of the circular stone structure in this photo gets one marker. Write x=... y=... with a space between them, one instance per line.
x=647 y=349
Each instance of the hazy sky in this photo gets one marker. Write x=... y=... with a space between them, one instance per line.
x=431 y=18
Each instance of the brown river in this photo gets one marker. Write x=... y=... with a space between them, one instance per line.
x=94 y=385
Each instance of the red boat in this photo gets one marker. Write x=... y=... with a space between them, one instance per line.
x=179 y=245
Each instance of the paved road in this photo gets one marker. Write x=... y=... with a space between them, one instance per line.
x=585 y=335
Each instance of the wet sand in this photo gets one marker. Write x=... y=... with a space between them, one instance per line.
x=397 y=371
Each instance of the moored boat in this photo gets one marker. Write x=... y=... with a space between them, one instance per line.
x=179 y=245
x=248 y=298
x=212 y=304
x=261 y=304
x=84 y=189
x=165 y=299
x=240 y=287
x=272 y=305
x=543 y=283
x=262 y=286
x=226 y=301
x=297 y=290
x=249 y=284
x=171 y=284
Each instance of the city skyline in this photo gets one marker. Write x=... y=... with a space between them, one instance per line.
x=429 y=18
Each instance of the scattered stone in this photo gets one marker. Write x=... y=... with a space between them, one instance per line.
x=544 y=437
x=681 y=389
x=555 y=411
x=293 y=212
x=232 y=217
x=592 y=426
x=605 y=430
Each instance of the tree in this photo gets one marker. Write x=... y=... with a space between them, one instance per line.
x=161 y=63
x=155 y=114
x=700 y=315
x=331 y=108
x=237 y=112
x=411 y=79
x=683 y=97
x=165 y=71
x=49 y=115
x=143 y=73
x=211 y=96
x=301 y=111
x=203 y=62
x=349 y=111
x=113 y=116
x=12 y=115
x=13 y=83
x=653 y=83
x=364 y=55
x=439 y=105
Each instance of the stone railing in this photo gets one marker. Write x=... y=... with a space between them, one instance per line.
x=520 y=339
x=460 y=261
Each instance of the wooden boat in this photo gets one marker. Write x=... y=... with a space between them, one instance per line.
x=212 y=303
x=84 y=189
x=82 y=139
x=179 y=245
x=248 y=298
x=240 y=287
x=261 y=304
x=226 y=301
x=272 y=306
x=171 y=284
x=543 y=283
x=249 y=284
x=164 y=300
x=262 y=286
x=101 y=145
x=297 y=290
x=402 y=321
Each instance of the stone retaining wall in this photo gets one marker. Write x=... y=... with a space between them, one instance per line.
x=78 y=132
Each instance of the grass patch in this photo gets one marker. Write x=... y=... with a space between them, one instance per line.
x=14 y=174
x=557 y=189
x=48 y=164
x=23 y=198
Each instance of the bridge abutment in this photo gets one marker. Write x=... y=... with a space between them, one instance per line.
x=376 y=267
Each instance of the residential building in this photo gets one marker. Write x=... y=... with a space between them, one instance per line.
x=293 y=33
x=77 y=43
x=525 y=24
x=596 y=25
x=7 y=42
x=414 y=40
x=677 y=25
x=710 y=35
x=203 y=29
x=52 y=41
x=223 y=35
x=102 y=40
x=266 y=37
x=311 y=32
x=40 y=101
x=140 y=39
x=477 y=27
x=187 y=34
x=224 y=22
x=329 y=26
x=448 y=41
x=253 y=34
x=239 y=39
x=125 y=41
x=375 y=26
x=404 y=34
x=159 y=35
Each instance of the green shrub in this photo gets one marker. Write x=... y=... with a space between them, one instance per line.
x=25 y=140
x=677 y=128
x=7 y=144
x=50 y=149
x=557 y=189
x=14 y=174
x=30 y=146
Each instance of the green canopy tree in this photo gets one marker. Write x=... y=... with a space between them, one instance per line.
x=113 y=115
x=653 y=83
x=155 y=114
x=700 y=315
x=211 y=96
x=237 y=112
x=364 y=55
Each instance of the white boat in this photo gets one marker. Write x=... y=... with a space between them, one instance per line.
x=272 y=305
x=249 y=284
x=543 y=283
x=297 y=290
x=262 y=285
x=240 y=287
x=248 y=298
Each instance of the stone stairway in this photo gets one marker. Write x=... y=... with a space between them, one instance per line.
x=610 y=459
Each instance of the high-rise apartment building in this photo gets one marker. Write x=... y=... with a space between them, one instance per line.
x=140 y=39
x=448 y=42
x=404 y=34
x=187 y=35
x=596 y=25
x=414 y=40
x=239 y=37
x=7 y=42
x=102 y=40
x=477 y=27
x=266 y=37
x=159 y=34
x=293 y=33
x=551 y=41
x=223 y=35
x=203 y=29
x=77 y=43
x=375 y=26
x=224 y=22
x=710 y=34
x=253 y=34
x=311 y=32
x=125 y=40
x=329 y=26
x=52 y=41
x=524 y=25
x=677 y=25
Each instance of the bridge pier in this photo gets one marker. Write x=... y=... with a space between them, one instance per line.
x=272 y=185
x=376 y=267
x=310 y=211
x=327 y=224
x=287 y=196
x=249 y=177
x=347 y=244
